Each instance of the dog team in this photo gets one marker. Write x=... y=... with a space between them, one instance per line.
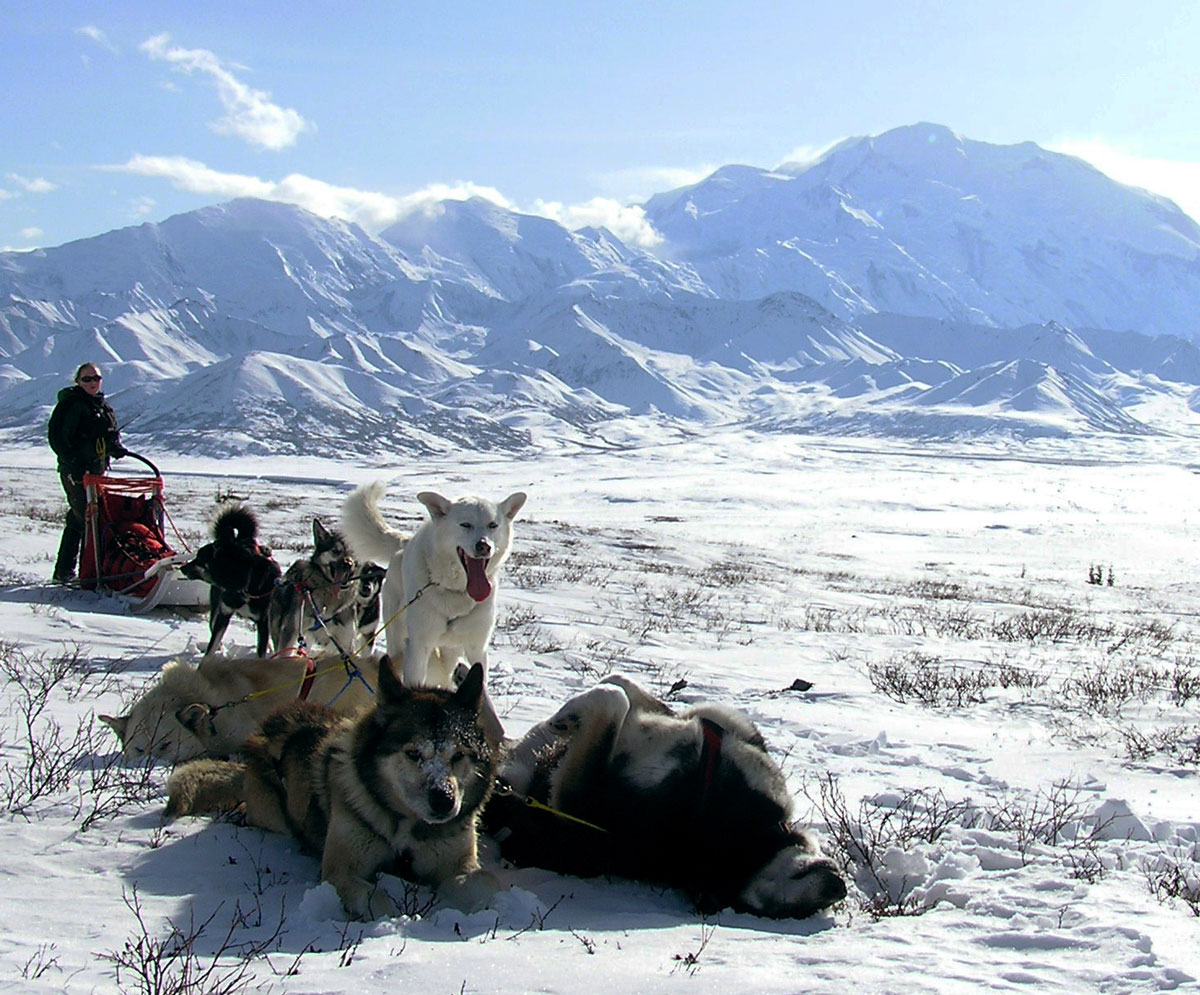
x=392 y=764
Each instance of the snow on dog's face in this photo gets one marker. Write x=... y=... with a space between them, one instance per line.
x=431 y=753
x=477 y=533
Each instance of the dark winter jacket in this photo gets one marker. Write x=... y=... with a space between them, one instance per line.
x=83 y=432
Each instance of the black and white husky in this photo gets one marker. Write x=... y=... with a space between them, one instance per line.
x=688 y=800
x=317 y=598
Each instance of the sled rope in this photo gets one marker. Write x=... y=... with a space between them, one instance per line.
x=306 y=676
x=505 y=790
x=345 y=662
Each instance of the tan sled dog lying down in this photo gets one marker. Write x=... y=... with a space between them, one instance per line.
x=212 y=708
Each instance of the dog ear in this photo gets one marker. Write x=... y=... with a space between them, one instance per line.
x=117 y=723
x=190 y=716
x=512 y=504
x=438 y=506
x=390 y=687
x=320 y=533
x=470 y=691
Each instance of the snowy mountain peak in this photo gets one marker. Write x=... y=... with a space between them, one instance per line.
x=911 y=279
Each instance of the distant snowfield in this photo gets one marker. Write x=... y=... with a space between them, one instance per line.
x=737 y=563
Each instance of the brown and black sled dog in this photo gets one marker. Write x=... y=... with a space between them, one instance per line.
x=397 y=790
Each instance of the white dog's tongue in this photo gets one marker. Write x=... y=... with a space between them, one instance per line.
x=478 y=585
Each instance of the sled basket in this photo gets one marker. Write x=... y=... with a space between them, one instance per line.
x=125 y=551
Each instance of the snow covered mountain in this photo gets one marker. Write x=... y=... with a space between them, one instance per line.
x=914 y=283
x=922 y=221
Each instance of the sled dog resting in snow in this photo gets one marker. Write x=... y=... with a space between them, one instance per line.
x=214 y=707
x=397 y=790
x=451 y=565
x=690 y=800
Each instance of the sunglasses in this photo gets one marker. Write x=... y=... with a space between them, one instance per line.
x=90 y=379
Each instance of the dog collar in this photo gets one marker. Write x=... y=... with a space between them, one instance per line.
x=710 y=753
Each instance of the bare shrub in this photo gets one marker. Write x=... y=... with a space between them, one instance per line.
x=148 y=964
x=1180 y=744
x=1108 y=687
x=1051 y=625
x=864 y=837
x=52 y=759
x=926 y=679
x=1051 y=818
x=1174 y=876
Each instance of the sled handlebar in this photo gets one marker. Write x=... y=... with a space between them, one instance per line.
x=141 y=458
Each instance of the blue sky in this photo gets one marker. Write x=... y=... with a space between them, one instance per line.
x=117 y=113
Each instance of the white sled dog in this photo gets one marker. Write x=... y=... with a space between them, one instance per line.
x=212 y=708
x=397 y=790
x=450 y=565
x=688 y=800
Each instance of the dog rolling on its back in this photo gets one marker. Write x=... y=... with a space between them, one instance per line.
x=692 y=801
x=398 y=789
x=242 y=575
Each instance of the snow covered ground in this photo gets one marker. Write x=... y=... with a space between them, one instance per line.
x=1004 y=754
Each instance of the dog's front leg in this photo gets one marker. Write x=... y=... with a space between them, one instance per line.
x=591 y=723
x=263 y=632
x=351 y=858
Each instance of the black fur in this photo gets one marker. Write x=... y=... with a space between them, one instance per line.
x=704 y=829
x=242 y=575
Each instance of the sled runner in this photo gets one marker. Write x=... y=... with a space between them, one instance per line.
x=125 y=551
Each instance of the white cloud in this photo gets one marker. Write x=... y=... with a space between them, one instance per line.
x=6 y=194
x=641 y=183
x=188 y=174
x=32 y=186
x=29 y=234
x=369 y=208
x=627 y=222
x=1179 y=180
x=804 y=155
x=98 y=36
x=374 y=210
x=249 y=113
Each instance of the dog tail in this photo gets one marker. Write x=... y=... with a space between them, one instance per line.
x=369 y=535
x=205 y=786
x=236 y=524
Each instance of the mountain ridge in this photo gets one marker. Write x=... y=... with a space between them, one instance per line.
x=914 y=282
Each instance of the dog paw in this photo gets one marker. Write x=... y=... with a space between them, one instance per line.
x=603 y=702
x=366 y=901
x=470 y=892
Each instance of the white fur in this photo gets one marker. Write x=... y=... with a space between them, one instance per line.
x=444 y=625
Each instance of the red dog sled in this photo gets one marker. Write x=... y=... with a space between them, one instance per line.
x=125 y=551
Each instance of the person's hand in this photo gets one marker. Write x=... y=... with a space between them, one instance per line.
x=118 y=451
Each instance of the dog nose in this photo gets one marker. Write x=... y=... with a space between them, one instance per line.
x=441 y=801
x=483 y=547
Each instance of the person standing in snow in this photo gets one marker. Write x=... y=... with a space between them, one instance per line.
x=84 y=436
